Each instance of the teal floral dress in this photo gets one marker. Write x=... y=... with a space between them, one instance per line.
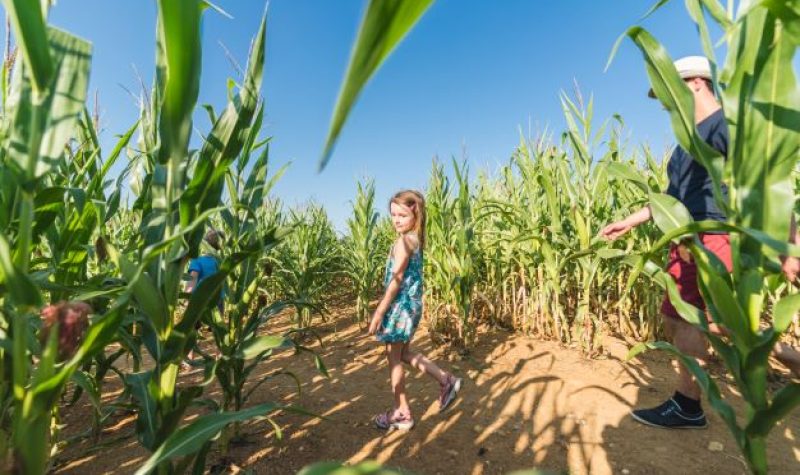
x=400 y=321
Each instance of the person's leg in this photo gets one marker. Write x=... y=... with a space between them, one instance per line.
x=449 y=384
x=394 y=354
x=788 y=356
x=691 y=342
x=420 y=362
x=682 y=410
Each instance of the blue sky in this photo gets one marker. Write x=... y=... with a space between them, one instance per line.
x=463 y=83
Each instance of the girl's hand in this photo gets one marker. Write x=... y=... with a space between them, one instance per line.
x=374 y=324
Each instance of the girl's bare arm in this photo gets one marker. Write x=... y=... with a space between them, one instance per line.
x=401 y=250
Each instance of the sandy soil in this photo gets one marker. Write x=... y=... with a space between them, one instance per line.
x=525 y=403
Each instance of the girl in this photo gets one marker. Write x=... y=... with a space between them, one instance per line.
x=400 y=311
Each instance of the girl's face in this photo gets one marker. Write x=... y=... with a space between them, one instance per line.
x=402 y=218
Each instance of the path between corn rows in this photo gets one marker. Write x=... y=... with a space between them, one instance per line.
x=526 y=403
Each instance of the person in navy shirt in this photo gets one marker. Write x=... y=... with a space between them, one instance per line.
x=690 y=183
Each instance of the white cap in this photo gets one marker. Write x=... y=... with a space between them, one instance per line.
x=691 y=67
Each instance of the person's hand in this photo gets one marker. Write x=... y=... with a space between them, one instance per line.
x=374 y=324
x=615 y=230
x=791 y=268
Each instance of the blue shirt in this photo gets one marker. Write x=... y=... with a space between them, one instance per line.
x=689 y=181
x=205 y=266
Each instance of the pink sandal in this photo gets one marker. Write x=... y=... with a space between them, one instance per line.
x=449 y=392
x=392 y=420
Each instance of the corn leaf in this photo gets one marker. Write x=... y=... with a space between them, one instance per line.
x=385 y=24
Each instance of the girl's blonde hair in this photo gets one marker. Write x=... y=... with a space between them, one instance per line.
x=413 y=200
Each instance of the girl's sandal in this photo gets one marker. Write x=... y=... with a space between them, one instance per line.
x=449 y=392
x=389 y=420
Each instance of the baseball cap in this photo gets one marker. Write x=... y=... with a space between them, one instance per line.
x=690 y=67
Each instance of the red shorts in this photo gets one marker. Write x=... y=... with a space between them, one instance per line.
x=683 y=270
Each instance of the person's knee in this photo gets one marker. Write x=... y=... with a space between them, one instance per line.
x=670 y=324
x=394 y=354
x=691 y=342
x=411 y=359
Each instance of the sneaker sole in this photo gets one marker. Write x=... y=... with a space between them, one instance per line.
x=451 y=396
x=648 y=423
x=402 y=426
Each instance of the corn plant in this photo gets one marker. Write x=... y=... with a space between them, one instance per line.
x=236 y=330
x=307 y=262
x=178 y=191
x=363 y=249
x=450 y=257
x=759 y=95
x=43 y=105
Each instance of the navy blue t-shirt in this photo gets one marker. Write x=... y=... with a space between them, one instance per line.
x=689 y=181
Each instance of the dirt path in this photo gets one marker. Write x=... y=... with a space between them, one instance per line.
x=526 y=403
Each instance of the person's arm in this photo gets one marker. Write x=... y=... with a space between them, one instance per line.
x=402 y=253
x=619 y=228
x=193 y=282
x=791 y=265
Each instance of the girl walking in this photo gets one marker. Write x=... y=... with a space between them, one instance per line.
x=399 y=312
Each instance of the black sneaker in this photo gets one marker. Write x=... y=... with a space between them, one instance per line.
x=669 y=415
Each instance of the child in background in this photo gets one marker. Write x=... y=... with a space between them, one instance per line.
x=207 y=264
x=399 y=312
x=202 y=268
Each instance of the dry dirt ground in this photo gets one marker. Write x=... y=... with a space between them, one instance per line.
x=525 y=403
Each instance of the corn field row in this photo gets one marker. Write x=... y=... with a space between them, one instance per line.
x=517 y=247
x=93 y=287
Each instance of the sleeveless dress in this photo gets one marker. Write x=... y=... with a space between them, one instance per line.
x=405 y=312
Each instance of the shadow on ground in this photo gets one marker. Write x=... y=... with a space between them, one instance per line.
x=525 y=403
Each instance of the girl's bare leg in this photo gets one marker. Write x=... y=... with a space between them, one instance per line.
x=419 y=361
x=394 y=353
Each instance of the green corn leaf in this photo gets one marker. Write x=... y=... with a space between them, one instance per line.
x=30 y=30
x=369 y=467
x=669 y=214
x=677 y=99
x=788 y=11
x=179 y=30
x=626 y=172
x=142 y=389
x=40 y=130
x=716 y=285
x=206 y=296
x=224 y=143
x=776 y=245
x=89 y=386
x=761 y=99
x=255 y=346
x=171 y=418
x=19 y=286
x=144 y=290
x=320 y=364
x=189 y=439
x=385 y=24
x=785 y=401
x=784 y=311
